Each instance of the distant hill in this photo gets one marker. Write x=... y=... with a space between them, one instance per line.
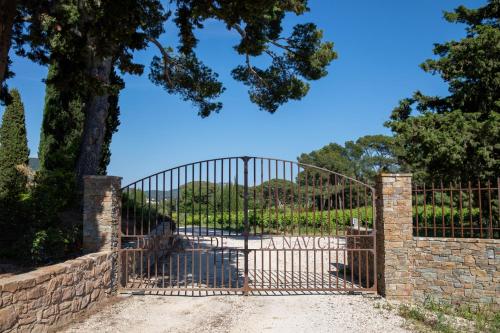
x=162 y=195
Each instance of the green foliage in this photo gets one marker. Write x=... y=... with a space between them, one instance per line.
x=362 y=159
x=435 y=219
x=273 y=220
x=112 y=123
x=446 y=318
x=62 y=125
x=13 y=149
x=304 y=55
x=54 y=243
x=456 y=136
x=187 y=76
x=29 y=216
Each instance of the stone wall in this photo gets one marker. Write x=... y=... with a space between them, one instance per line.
x=54 y=295
x=412 y=269
x=456 y=270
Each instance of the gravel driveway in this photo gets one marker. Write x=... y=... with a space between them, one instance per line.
x=277 y=312
x=252 y=314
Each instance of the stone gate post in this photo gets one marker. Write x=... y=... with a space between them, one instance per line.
x=102 y=219
x=394 y=236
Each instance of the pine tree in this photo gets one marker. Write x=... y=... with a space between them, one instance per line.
x=456 y=137
x=13 y=148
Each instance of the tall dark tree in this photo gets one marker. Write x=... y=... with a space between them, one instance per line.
x=457 y=136
x=100 y=35
x=13 y=149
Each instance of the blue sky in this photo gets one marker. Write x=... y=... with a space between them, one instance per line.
x=380 y=45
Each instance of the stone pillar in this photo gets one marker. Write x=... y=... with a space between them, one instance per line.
x=101 y=213
x=394 y=236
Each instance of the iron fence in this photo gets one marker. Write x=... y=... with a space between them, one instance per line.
x=469 y=210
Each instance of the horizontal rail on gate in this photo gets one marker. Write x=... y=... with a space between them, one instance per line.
x=250 y=157
x=174 y=289
x=189 y=250
x=184 y=289
x=457 y=210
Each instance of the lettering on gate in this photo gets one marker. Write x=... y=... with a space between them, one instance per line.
x=300 y=243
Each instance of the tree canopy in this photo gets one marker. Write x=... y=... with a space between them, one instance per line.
x=457 y=136
x=362 y=159
x=90 y=42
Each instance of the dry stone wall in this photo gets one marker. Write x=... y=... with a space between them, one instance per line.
x=457 y=271
x=450 y=270
x=54 y=295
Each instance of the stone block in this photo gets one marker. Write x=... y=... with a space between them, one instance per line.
x=8 y=318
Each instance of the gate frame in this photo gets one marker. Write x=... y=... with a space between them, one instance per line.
x=116 y=212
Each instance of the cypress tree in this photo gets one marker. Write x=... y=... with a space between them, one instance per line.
x=60 y=140
x=13 y=148
x=62 y=124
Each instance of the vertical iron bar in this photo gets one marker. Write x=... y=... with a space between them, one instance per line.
x=434 y=209
x=442 y=211
x=415 y=193
x=480 y=209
x=199 y=207
x=222 y=195
x=185 y=201
x=254 y=220
x=127 y=219
x=451 y=212
x=142 y=207
x=490 y=227
x=215 y=199
x=425 y=212
x=178 y=200
x=208 y=205
x=135 y=210
x=237 y=194
x=149 y=205
x=276 y=189
x=245 y=221
x=229 y=189
x=470 y=211
x=460 y=209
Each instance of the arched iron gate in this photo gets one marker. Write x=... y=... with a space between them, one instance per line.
x=248 y=224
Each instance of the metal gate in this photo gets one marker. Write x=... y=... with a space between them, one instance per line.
x=247 y=225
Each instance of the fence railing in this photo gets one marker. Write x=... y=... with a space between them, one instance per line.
x=469 y=210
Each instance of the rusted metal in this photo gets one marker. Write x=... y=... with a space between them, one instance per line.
x=276 y=226
x=467 y=210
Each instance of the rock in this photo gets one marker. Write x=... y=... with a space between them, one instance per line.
x=8 y=318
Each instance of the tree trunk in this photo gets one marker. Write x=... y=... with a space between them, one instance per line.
x=96 y=113
x=7 y=16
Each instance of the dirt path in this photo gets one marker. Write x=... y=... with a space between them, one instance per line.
x=252 y=314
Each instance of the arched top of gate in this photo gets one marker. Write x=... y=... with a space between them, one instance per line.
x=249 y=158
